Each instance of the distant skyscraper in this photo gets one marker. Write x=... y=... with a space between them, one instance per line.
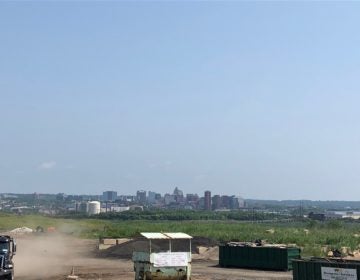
x=178 y=194
x=237 y=202
x=151 y=197
x=109 y=196
x=225 y=201
x=207 y=197
x=190 y=197
x=141 y=196
x=216 y=202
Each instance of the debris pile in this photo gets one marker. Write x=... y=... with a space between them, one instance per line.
x=21 y=230
x=258 y=243
x=344 y=252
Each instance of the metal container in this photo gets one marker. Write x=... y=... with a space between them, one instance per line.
x=259 y=257
x=326 y=269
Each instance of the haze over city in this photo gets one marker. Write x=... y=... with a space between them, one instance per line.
x=253 y=99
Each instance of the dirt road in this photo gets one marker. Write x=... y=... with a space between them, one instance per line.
x=50 y=257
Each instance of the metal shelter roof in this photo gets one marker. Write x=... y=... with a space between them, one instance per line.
x=154 y=235
x=178 y=235
x=165 y=235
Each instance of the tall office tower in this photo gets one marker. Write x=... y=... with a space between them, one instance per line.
x=109 y=196
x=207 y=201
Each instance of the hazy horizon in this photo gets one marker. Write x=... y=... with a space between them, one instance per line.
x=199 y=194
x=258 y=99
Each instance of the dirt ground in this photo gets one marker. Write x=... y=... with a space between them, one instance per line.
x=50 y=257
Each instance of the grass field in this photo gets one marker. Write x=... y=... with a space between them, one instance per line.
x=332 y=234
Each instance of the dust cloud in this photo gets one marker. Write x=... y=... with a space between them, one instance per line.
x=45 y=255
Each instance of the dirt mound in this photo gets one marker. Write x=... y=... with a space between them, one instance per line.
x=207 y=253
x=199 y=241
x=126 y=249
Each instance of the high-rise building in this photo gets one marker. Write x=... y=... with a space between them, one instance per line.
x=201 y=204
x=178 y=194
x=216 y=202
x=225 y=201
x=237 y=202
x=192 y=197
x=207 y=204
x=109 y=196
x=141 y=196
x=192 y=201
x=151 y=197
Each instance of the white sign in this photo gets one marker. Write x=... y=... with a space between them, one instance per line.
x=170 y=259
x=336 y=273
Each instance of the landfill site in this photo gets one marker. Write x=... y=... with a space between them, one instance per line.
x=28 y=254
x=59 y=256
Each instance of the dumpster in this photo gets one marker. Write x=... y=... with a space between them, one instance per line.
x=167 y=256
x=326 y=269
x=272 y=257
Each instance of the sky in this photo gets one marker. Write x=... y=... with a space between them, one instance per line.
x=258 y=99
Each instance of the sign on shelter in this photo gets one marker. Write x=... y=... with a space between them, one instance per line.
x=170 y=259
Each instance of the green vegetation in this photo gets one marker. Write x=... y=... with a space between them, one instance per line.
x=185 y=215
x=333 y=234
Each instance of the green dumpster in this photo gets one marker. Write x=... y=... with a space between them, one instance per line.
x=258 y=257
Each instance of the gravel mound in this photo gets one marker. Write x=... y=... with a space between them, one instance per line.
x=199 y=241
x=126 y=249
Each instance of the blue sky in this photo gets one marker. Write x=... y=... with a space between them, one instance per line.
x=259 y=99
